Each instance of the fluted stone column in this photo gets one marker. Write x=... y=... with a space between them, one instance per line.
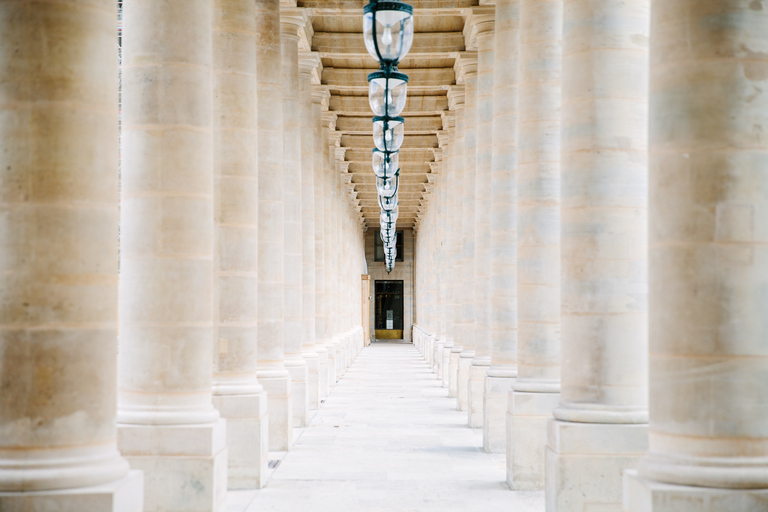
x=503 y=207
x=271 y=166
x=238 y=395
x=320 y=98
x=293 y=20
x=482 y=17
x=600 y=426
x=537 y=388
x=467 y=67
x=456 y=96
x=308 y=62
x=58 y=245
x=167 y=423
x=708 y=432
x=449 y=277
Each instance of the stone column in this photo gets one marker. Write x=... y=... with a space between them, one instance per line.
x=449 y=254
x=328 y=170
x=271 y=167
x=537 y=388
x=600 y=424
x=307 y=63
x=482 y=18
x=291 y=21
x=58 y=247
x=166 y=265
x=708 y=432
x=503 y=207
x=467 y=67
x=456 y=97
x=237 y=393
x=320 y=98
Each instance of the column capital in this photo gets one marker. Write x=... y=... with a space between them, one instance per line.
x=481 y=19
x=321 y=95
x=329 y=120
x=466 y=65
x=455 y=97
x=295 y=22
x=311 y=64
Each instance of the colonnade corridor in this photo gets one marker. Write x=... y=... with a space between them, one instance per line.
x=388 y=438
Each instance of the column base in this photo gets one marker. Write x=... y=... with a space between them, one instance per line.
x=477 y=374
x=176 y=459
x=332 y=363
x=299 y=391
x=527 y=417
x=495 y=398
x=584 y=463
x=445 y=372
x=453 y=373
x=313 y=380
x=247 y=439
x=462 y=384
x=280 y=411
x=124 y=495
x=322 y=372
x=641 y=495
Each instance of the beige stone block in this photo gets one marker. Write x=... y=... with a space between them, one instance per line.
x=476 y=394
x=247 y=439
x=279 y=409
x=125 y=495
x=528 y=414
x=585 y=461
x=495 y=413
x=642 y=495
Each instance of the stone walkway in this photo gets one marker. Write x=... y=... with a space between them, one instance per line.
x=387 y=439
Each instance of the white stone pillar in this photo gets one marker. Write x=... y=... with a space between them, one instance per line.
x=537 y=388
x=307 y=63
x=449 y=254
x=467 y=67
x=271 y=167
x=166 y=265
x=291 y=21
x=320 y=98
x=328 y=172
x=600 y=424
x=503 y=285
x=482 y=18
x=237 y=393
x=456 y=96
x=58 y=247
x=708 y=432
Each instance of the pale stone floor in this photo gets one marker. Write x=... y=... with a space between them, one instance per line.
x=387 y=439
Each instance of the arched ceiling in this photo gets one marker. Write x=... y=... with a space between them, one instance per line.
x=336 y=35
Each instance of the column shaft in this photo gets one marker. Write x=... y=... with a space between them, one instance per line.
x=536 y=390
x=237 y=393
x=271 y=167
x=58 y=247
x=503 y=206
x=319 y=147
x=708 y=432
x=292 y=200
x=166 y=266
x=604 y=263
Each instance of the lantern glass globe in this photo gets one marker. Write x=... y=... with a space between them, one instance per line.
x=388 y=30
x=388 y=133
x=387 y=93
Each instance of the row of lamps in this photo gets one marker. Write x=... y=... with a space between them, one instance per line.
x=388 y=33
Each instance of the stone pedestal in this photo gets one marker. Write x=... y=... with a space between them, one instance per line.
x=453 y=372
x=641 y=495
x=495 y=398
x=299 y=373
x=478 y=369
x=462 y=380
x=124 y=495
x=584 y=463
x=280 y=409
x=445 y=367
x=322 y=372
x=247 y=439
x=313 y=379
x=527 y=417
x=185 y=466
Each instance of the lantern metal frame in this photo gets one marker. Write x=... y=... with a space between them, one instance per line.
x=387 y=76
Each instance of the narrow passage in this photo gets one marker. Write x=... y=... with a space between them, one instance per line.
x=388 y=438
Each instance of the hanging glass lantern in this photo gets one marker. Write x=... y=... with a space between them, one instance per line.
x=388 y=203
x=387 y=187
x=388 y=31
x=388 y=132
x=387 y=217
x=387 y=92
x=385 y=165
